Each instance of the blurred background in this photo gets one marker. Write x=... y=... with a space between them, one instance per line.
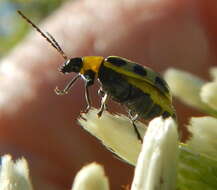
x=12 y=28
x=42 y=127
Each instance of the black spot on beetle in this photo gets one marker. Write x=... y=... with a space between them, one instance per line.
x=160 y=83
x=116 y=61
x=140 y=70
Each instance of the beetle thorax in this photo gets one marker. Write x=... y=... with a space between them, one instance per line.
x=91 y=63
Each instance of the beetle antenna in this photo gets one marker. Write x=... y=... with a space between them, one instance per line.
x=46 y=35
x=57 y=46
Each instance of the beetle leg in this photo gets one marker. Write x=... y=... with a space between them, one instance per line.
x=101 y=92
x=87 y=96
x=89 y=77
x=133 y=120
x=103 y=106
x=68 y=86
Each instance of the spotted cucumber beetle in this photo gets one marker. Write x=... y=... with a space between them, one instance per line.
x=141 y=90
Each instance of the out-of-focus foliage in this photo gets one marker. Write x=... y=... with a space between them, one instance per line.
x=12 y=27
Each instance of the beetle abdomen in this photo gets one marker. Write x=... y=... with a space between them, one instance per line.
x=120 y=90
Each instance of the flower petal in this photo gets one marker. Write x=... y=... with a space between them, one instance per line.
x=204 y=136
x=91 y=177
x=208 y=94
x=197 y=162
x=157 y=163
x=116 y=133
x=14 y=176
x=213 y=72
x=187 y=88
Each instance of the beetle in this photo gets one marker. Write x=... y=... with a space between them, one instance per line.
x=141 y=90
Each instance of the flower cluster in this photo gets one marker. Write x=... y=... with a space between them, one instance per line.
x=161 y=162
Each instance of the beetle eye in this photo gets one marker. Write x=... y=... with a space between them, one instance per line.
x=72 y=65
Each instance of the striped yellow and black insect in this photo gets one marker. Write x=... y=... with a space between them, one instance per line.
x=141 y=90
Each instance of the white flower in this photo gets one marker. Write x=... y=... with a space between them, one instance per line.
x=209 y=94
x=160 y=154
x=156 y=167
x=14 y=176
x=91 y=177
x=197 y=168
x=116 y=133
x=204 y=139
x=213 y=73
x=187 y=88
x=157 y=163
